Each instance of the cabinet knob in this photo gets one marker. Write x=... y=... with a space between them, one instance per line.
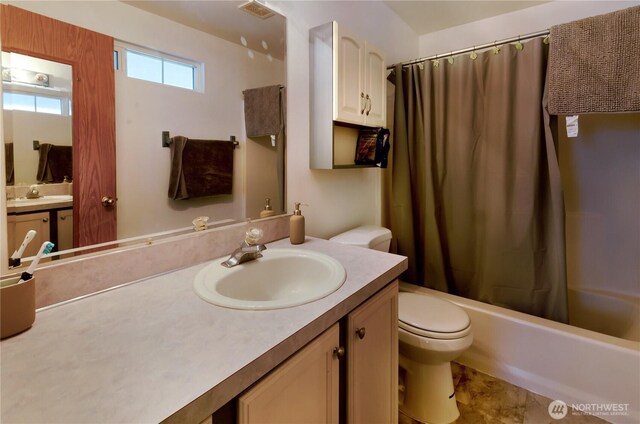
x=338 y=352
x=45 y=219
x=63 y=218
x=360 y=332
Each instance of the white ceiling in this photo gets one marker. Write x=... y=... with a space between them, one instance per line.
x=428 y=16
x=223 y=18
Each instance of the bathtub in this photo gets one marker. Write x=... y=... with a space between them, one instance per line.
x=608 y=313
x=559 y=361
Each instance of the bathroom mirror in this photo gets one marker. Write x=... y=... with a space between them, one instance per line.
x=246 y=52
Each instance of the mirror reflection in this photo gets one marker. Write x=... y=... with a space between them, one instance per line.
x=202 y=98
x=37 y=127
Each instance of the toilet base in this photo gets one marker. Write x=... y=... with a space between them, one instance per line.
x=429 y=395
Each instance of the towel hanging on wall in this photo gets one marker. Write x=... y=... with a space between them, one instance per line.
x=594 y=64
x=200 y=168
x=9 y=169
x=263 y=111
x=54 y=163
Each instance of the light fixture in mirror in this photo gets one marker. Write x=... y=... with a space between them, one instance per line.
x=145 y=109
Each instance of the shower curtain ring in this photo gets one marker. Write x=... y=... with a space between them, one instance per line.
x=473 y=54
x=519 y=45
x=496 y=49
x=450 y=60
x=436 y=62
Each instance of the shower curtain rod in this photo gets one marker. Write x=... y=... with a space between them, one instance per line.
x=470 y=49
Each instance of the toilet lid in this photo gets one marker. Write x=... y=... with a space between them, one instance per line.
x=431 y=317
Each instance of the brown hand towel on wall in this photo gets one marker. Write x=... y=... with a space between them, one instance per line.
x=54 y=163
x=200 y=168
x=263 y=113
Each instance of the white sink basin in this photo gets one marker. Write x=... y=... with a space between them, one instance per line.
x=282 y=278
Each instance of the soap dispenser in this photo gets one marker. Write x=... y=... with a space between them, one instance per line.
x=268 y=210
x=296 y=225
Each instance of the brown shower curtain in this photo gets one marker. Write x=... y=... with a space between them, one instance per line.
x=476 y=196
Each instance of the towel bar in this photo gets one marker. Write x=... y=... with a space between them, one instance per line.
x=166 y=140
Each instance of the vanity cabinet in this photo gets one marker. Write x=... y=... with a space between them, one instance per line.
x=65 y=229
x=347 y=92
x=372 y=358
x=302 y=390
x=306 y=388
x=19 y=225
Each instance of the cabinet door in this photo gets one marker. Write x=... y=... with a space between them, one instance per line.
x=372 y=359
x=65 y=229
x=348 y=79
x=302 y=390
x=21 y=224
x=375 y=87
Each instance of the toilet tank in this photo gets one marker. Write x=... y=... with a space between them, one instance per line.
x=369 y=236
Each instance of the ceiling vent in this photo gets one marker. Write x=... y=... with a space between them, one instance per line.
x=257 y=8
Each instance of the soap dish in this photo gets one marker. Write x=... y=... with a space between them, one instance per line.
x=17 y=306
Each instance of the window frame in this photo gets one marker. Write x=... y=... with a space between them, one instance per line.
x=121 y=48
x=63 y=96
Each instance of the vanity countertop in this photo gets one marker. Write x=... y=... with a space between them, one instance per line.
x=154 y=351
x=21 y=205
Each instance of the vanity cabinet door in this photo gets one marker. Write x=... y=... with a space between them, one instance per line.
x=372 y=359
x=19 y=225
x=304 y=389
x=65 y=229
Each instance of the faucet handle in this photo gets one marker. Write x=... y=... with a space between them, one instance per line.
x=253 y=235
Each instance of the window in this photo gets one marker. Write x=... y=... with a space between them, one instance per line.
x=160 y=68
x=32 y=103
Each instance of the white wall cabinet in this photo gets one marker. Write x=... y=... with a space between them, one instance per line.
x=359 y=84
x=347 y=91
x=306 y=387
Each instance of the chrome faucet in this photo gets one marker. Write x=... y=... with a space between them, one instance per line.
x=248 y=250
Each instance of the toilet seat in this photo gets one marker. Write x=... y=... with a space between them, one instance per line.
x=428 y=316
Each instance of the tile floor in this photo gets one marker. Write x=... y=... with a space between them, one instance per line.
x=483 y=399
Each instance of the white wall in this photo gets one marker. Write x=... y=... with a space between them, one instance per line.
x=344 y=198
x=511 y=24
x=144 y=110
x=600 y=172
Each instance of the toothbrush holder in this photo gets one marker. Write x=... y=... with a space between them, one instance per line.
x=17 y=306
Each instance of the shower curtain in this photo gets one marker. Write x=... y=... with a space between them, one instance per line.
x=476 y=197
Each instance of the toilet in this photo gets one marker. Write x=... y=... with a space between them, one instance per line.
x=432 y=332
